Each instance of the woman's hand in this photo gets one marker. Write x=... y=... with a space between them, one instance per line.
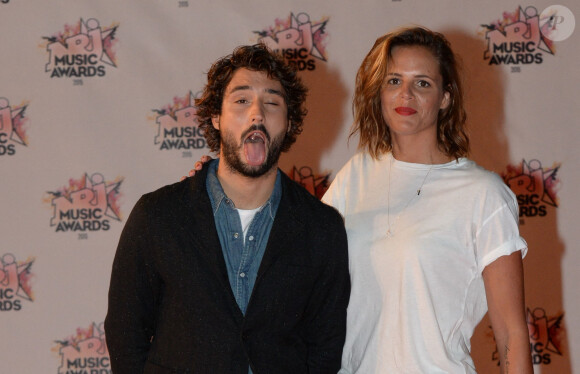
x=198 y=165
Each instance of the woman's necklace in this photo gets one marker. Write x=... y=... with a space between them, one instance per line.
x=390 y=229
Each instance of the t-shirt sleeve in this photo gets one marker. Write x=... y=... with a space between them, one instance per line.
x=498 y=233
x=334 y=196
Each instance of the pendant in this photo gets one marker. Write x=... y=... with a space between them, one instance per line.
x=389 y=233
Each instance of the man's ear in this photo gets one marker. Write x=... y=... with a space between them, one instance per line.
x=215 y=120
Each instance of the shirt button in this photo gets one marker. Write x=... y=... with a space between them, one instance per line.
x=251 y=238
x=242 y=275
x=236 y=235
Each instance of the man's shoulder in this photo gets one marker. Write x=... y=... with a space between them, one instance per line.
x=181 y=191
x=309 y=206
x=168 y=193
x=173 y=198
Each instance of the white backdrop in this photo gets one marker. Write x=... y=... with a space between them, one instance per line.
x=96 y=109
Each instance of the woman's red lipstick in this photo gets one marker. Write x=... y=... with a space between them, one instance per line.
x=405 y=111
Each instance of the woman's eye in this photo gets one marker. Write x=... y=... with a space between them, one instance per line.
x=423 y=84
x=393 y=81
x=241 y=101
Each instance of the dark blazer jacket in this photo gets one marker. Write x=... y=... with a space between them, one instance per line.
x=171 y=308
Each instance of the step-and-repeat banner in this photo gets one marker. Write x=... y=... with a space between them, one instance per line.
x=97 y=108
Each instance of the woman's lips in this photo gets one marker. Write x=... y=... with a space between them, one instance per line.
x=405 y=111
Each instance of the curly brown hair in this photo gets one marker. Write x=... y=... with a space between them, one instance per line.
x=256 y=57
x=375 y=136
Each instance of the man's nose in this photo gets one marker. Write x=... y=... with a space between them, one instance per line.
x=257 y=112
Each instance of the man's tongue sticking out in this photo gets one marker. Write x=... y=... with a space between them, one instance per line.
x=255 y=149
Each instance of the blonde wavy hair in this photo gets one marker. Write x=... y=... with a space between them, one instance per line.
x=374 y=133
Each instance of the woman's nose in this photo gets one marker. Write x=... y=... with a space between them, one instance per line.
x=407 y=91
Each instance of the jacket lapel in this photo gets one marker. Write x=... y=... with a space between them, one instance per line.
x=203 y=233
x=285 y=230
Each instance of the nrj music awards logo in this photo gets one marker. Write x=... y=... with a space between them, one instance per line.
x=82 y=50
x=86 y=204
x=535 y=187
x=301 y=41
x=85 y=352
x=12 y=127
x=15 y=282
x=315 y=184
x=178 y=127
x=547 y=336
x=525 y=36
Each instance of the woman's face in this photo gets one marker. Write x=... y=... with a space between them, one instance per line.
x=412 y=93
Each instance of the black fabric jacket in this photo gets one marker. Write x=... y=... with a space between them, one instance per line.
x=171 y=308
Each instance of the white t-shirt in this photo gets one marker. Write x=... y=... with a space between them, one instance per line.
x=418 y=295
x=246 y=217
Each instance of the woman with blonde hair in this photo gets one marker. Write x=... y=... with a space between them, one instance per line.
x=433 y=237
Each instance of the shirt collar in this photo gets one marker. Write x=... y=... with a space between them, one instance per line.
x=217 y=196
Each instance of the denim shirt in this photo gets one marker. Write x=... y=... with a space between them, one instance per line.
x=242 y=259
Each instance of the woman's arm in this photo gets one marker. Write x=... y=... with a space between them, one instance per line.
x=504 y=288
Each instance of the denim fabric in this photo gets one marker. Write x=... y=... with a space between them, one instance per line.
x=242 y=259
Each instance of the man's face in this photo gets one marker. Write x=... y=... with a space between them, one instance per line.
x=252 y=124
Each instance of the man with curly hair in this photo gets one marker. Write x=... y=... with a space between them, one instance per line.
x=238 y=269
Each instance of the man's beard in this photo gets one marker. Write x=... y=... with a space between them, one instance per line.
x=231 y=152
